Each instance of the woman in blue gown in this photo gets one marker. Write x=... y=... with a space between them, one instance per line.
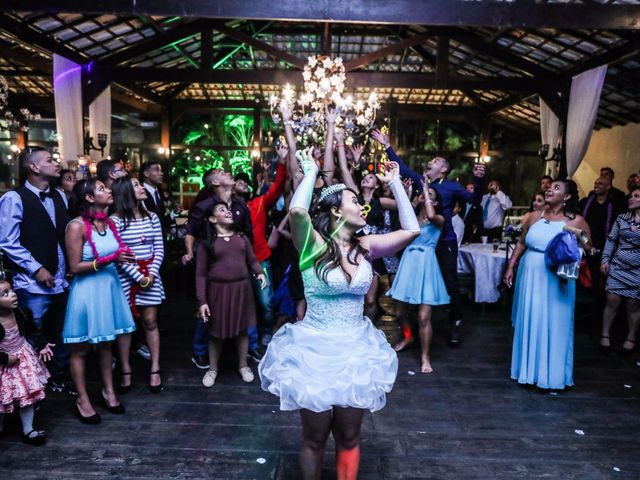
x=543 y=304
x=97 y=311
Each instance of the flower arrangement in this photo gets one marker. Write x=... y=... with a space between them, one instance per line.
x=512 y=233
x=9 y=120
x=324 y=82
x=4 y=92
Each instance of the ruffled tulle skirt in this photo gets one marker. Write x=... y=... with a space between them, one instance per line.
x=317 y=369
x=23 y=383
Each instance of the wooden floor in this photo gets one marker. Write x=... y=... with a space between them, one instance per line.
x=465 y=421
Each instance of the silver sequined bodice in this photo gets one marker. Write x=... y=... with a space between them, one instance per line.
x=336 y=303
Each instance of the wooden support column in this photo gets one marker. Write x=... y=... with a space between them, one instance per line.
x=257 y=134
x=485 y=134
x=22 y=139
x=206 y=52
x=165 y=135
x=564 y=96
x=442 y=57
x=326 y=39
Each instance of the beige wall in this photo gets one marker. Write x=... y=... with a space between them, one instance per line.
x=618 y=148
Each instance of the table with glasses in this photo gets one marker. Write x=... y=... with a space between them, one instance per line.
x=487 y=267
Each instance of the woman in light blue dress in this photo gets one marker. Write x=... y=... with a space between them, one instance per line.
x=419 y=280
x=543 y=303
x=97 y=311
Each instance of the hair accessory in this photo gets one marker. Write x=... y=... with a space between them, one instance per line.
x=338 y=187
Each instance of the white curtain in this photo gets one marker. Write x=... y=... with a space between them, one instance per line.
x=583 y=108
x=549 y=133
x=100 y=122
x=67 y=93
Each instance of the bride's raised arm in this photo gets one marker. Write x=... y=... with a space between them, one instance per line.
x=307 y=241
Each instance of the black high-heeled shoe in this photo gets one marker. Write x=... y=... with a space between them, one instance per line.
x=629 y=351
x=35 y=437
x=92 y=420
x=155 y=388
x=117 y=410
x=605 y=349
x=124 y=389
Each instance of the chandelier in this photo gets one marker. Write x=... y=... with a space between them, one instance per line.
x=323 y=89
x=9 y=120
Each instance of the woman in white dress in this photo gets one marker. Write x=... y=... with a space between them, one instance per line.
x=334 y=364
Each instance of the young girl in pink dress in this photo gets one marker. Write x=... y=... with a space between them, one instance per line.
x=23 y=376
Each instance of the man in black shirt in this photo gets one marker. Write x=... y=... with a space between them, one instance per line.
x=218 y=187
x=600 y=210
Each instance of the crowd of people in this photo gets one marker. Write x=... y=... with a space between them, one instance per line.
x=289 y=270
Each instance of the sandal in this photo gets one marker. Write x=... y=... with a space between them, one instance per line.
x=605 y=349
x=155 y=388
x=629 y=351
x=122 y=389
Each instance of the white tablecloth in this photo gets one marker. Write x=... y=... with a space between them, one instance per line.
x=486 y=266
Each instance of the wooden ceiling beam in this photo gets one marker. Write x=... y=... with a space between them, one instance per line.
x=612 y=56
x=17 y=54
x=384 y=52
x=242 y=37
x=280 y=77
x=478 y=44
x=156 y=42
x=527 y=15
x=29 y=35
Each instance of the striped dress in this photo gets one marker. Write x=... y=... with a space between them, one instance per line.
x=622 y=253
x=144 y=237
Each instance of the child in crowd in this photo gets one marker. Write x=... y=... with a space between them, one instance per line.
x=23 y=376
x=224 y=263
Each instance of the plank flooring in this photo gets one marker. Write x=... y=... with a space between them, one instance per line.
x=465 y=421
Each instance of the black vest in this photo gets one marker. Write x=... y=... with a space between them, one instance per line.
x=37 y=233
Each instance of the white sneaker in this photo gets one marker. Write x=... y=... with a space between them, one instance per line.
x=209 y=379
x=246 y=374
x=144 y=352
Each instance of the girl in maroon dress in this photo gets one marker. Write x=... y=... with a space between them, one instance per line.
x=224 y=264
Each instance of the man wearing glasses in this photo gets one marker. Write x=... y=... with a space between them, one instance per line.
x=108 y=171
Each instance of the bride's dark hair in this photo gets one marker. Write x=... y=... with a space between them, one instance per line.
x=330 y=258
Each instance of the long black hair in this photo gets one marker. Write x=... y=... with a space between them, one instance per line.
x=533 y=199
x=210 y=229
x=570 y=207
x=331 y=257
x=81 y=205
x=125 y=202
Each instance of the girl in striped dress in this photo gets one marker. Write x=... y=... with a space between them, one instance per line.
x=140 y=230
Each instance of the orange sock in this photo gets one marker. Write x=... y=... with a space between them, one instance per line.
x=347 y=463
x=406 y=332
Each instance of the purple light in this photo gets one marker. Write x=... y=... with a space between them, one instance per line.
x=65 y=73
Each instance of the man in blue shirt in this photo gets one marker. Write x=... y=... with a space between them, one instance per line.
x=449 y=192
x=32 y=230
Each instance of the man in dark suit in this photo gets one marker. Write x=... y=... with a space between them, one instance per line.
x=151 y=177
x=472 y=217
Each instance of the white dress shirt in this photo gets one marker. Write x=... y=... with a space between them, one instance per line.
x=458 y=227
x=493 y=208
